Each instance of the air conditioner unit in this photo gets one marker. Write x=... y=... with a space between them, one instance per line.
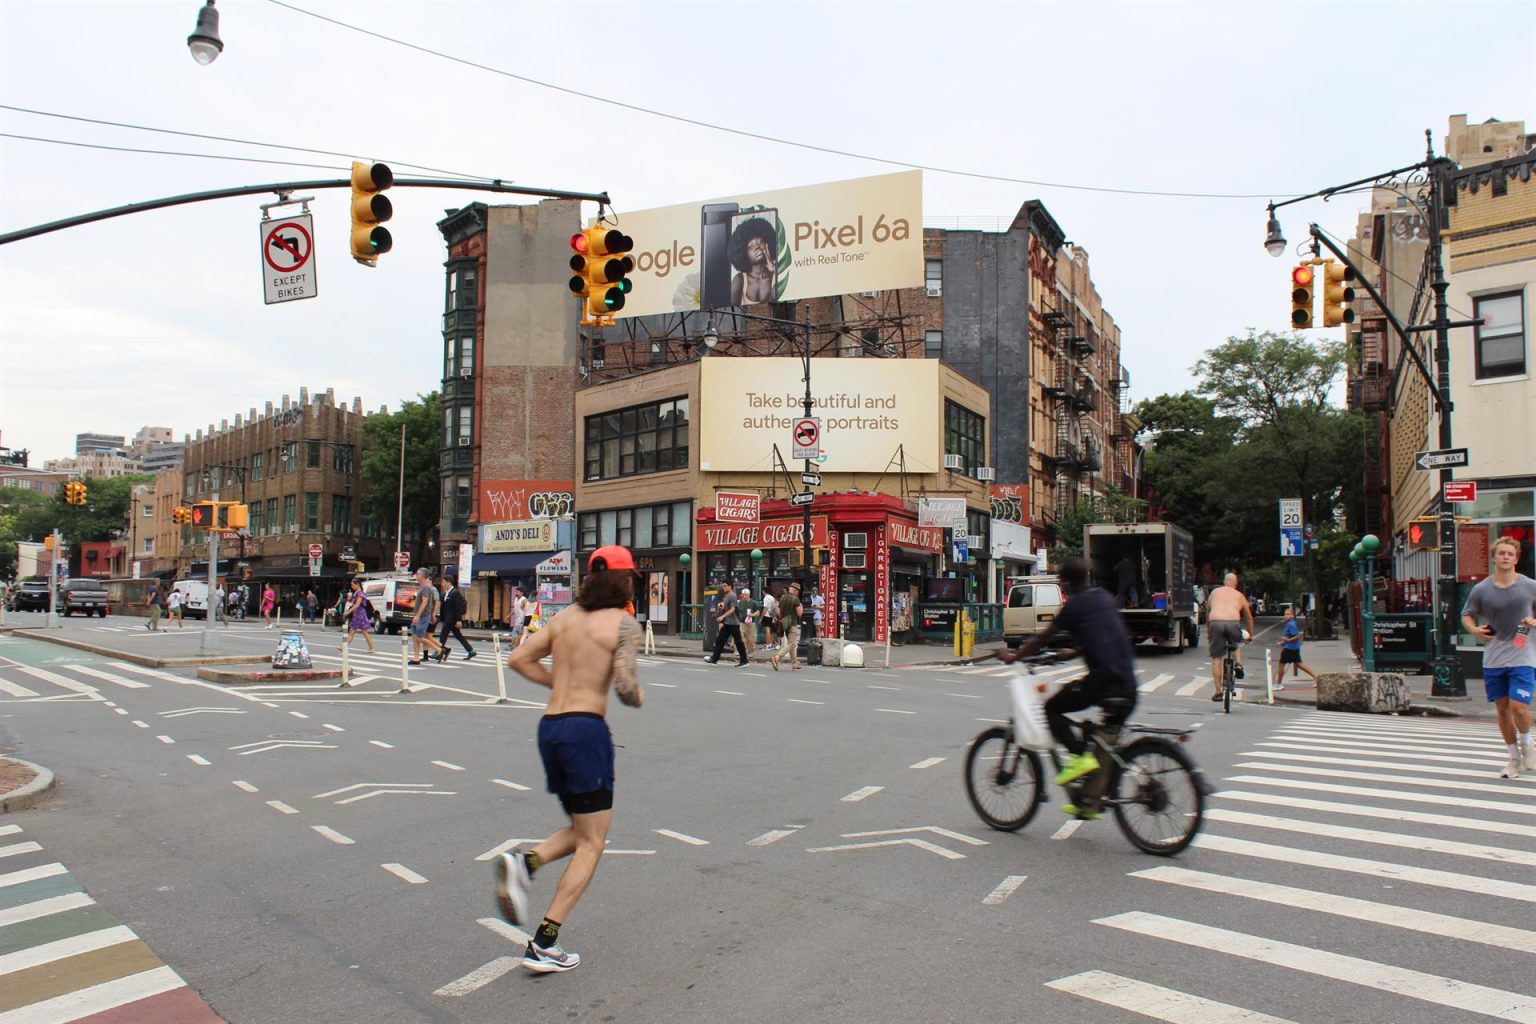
x=934 y=290
x=985 y=473
x=294 y=528
x=973 y=541
x=463 y=442
x=854 y=559
x=855 y=540
x=466 y=371
x=954 y=462
x=869 y=295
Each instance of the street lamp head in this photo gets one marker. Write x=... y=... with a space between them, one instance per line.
x=684 y=559
x=1354 y=553
x=204 y=42
x=1370 y=544
x=711 y=336
x=1274 y=241
x=757 y=554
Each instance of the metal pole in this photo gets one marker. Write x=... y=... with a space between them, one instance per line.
x=810 y=467
x=210 y=641
x=400 y=508
x=53 y=579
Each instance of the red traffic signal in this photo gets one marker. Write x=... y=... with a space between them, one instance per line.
x=1302 y=280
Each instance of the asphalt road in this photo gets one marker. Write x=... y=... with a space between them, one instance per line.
x=786 y=846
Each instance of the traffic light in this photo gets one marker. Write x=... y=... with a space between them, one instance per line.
x=74 y=493
x=601 y=271
x=1301 y=297
x=204 y=514
x=370 y=208
x=1337 y=294
x=1424 y=534
x=48 y=543
x=233 y=517
x=181 y=516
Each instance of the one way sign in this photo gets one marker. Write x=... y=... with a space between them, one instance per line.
x=1442 y=459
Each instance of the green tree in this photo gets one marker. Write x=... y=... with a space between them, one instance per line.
x=16 y=505
x=102 y=517
x=422 y=420
x=1113 y=507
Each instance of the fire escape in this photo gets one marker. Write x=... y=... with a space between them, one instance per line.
x=1370 y=392
x=1074 y=393
x=1123 y=436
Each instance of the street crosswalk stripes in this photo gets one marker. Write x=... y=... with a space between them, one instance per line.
x=1379 y=839
x=64 y=958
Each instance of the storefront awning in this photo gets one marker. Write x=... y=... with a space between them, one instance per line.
x=510 y=564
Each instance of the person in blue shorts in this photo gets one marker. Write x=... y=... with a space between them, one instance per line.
x=1506 y=601
x=1290 y=649
x=592 y=646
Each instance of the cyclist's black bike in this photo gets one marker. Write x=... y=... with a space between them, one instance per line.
x=1145 y=777
x=1229 y=676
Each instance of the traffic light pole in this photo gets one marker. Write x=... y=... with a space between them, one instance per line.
x=210 y=642
x=289 y=187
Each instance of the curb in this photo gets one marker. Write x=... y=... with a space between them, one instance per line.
x=214 y=675
x=137 y=659
x=31 y=794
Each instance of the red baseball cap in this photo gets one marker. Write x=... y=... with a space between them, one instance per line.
x=613 y=556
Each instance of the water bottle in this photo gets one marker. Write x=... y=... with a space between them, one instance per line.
x=1521 y=634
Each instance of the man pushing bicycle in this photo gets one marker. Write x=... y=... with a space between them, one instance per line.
x=1091 y=618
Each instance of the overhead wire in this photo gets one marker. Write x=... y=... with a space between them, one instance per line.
x=759 y=136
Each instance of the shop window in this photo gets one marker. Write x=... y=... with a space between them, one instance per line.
x=651 y=438
x=1500 y=343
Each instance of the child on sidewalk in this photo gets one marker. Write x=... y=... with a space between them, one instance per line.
x=1290 y=649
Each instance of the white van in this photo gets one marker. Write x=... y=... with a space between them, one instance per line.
x=394 y=598
x=194 y=595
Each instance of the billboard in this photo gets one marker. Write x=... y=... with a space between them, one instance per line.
x=867 y=410
x=796 y=243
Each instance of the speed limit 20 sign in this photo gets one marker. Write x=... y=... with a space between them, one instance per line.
x=1290 y=513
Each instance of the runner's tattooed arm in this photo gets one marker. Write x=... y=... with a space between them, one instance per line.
x=624 y=679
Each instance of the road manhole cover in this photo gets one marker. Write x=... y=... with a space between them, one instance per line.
x=304 y=734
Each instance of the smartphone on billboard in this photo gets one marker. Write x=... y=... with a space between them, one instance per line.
x=753 y=250
x=714 y=254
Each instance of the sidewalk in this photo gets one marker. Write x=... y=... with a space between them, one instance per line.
x=63 y=958
x=1323 y=656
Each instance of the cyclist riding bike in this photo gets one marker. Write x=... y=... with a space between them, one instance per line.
x=1091 y=618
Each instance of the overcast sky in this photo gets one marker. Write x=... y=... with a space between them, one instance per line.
x=157 y=318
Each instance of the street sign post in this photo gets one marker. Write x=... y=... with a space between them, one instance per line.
x=1445 y=458
x=1290 y=542
x=288 y=259
x=960 y=550
x=811 y=479
x=801 y=499
x=1457 y=491
x=1290 y=513
x=805 y=438
x=314 y=566
x=316 y=551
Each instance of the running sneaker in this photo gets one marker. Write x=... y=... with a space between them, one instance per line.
x=1528 y=756
x=513 y=887
x=546 y=961
x=1082 y=814
x=1076 y=767
x=1512 y=769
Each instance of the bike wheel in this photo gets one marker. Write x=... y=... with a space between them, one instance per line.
x=1003 y=780
x=1158 y=796
x=1228 y=686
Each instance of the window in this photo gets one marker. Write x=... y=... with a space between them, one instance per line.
x=312 y=455
x=290 y=511
x=647 y=526
x=933 y=272
x=965 y=435
x=290 y=456
x=455 y=504
x=311 y=511
x=461 y=288
x=466 y=424
x=644 y=439
x=149 y=545
x=149 y=511
x=933 y=344
x=273 y=524
x=256 y=466
x=255 y=519
x=1500 y=343
x=466 y=355
x=341 y=458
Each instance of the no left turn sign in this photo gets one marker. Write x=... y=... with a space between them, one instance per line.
x=287 y=259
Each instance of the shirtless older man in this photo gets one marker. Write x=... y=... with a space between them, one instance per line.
x=592 y=645
x=1227 y=610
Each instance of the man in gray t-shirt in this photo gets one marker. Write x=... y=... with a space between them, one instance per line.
x=728 y=617
x=1506 y=602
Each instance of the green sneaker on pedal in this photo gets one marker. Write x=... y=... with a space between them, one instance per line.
x=1076 y=767
x=1082 y=814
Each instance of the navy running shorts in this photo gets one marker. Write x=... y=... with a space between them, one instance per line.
x=577 y=750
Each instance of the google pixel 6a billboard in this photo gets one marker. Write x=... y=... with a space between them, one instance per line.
x=797 y=243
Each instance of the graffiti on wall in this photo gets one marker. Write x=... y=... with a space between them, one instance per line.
x=527 y=499
x=1010 y=502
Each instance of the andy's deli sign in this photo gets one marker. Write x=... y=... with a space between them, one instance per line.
x=774 y=533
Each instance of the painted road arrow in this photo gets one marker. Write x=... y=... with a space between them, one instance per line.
x=946 y=833
x=906 y=840
x=921 y=844
x=183 y=712
x=383 y=789
x=262 y=746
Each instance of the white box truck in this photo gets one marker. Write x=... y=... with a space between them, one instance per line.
x=1159 y=560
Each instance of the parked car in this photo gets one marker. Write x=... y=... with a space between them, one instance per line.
x=85 y=595
x=394 y=598
x=1031 y=605
x=30 y=596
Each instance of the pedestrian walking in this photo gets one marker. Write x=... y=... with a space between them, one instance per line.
x=451 y=615
x=1290 y=650
x=152 y=601
x=750 y=610
x=790 y=610
x=592 y=646
x=311 y=606
x=1506 y=602
x=220 y=609
x=173 y=604
x=427 y=601
x=770 y=619
x=533 y=616
x=728 y=621
x=355 y=617
x=268 y=605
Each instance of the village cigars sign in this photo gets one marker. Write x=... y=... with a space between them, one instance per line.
x=906 y=534
x=774 y=533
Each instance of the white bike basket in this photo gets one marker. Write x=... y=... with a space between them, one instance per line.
x=1029 y=726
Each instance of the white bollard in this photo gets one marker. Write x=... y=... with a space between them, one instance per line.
x=346 y=665
x=650 y=638
x=405 y=656
x=501 y=670
x=1269 y=676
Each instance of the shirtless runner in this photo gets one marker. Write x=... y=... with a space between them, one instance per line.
x=1227 y=611
x=592 y=645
